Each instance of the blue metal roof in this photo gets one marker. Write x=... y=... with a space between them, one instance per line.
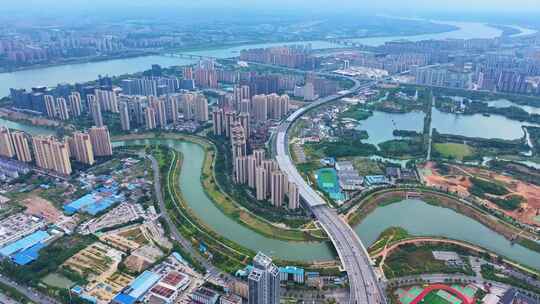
x=142 y=283
x=124 y=299
x=24 y=243
x=27 y=256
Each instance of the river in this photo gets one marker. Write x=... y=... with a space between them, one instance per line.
x=435 y=220
x=438 y=221
x=83 y=72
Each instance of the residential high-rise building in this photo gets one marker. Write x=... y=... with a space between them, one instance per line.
x=309 y=92
x=230 y=119
x=172 y=107
x=251 y=171
x=52 y=154
x=270 y=166
x=261 y=183
x=201 y=109
x=6 y=143
x=263 y=281
x=63 y=110
x=238 y=140
x=50 y=106
x=259 y=156
x=278 y=106
x=21 y=146
x=159 y=108
x=240 y=170
x=95 y=110
x=107 y=100
x=259 y=108
x=150 y=118
x=218 y=118
x=82 y=146
x=244 y=120
x=240 y=93
x=101 y=141
x=75 y=104
x=124 y=116
x=294 y=196
x=277 y=191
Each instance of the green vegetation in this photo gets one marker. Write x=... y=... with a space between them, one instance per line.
x=387 y=237
x=342 y=148
x=511 y=202
x=453 y=150
x=412 y=260
x=397 y=148
x=433 y=298
x=480 y=187
x=490 y=273
x=534 y=133
x=356 y=112
x=367 y=166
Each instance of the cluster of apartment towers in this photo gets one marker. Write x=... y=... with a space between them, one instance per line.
x=53 y=154
x=149 y=111
x=234 y=119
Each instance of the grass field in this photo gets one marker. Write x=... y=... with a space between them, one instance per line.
x=453 y=150
x=433 y=298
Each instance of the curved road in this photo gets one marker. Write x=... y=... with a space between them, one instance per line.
x=364 y=285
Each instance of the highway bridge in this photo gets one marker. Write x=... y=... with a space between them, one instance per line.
x=364 y=285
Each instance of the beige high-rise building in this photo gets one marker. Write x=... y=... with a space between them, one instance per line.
x=82 y=147
x=107 y=100
x=240 y=93
x=22 y=147
x=259 y=108
x=240 y=170
x=244 y=106
x=259 y=156
x=294 y=196
x=230 y=119
x=261 y=184
x=201 y=108
x=50 y=106
x=75 y=104
x=218 y=118
x=238 y=140
x=6 y=143
x=172 y=107
x=160 y=113
x=277 y=192
x=278 y=106
x=251 y=171
x=124 y=116
x=63 y=110
x=188 y=105
x=244 y=120
x=52 y=154
x=95 y=110
x=270 y=166
x=101 y=141
x=150 y=118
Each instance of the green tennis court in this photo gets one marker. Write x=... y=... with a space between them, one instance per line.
x=407 y=296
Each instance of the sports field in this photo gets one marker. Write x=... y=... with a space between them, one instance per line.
x=406 y=296
x=327 y=180
x=434 y=298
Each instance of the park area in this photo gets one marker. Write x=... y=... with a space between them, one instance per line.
x=436 y=294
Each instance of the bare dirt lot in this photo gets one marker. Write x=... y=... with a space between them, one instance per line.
x=41 y=207
x=456 y=179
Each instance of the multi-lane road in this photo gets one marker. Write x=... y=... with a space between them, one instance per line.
x=364 y=285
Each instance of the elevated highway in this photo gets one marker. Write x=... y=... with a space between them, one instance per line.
x=364 y=285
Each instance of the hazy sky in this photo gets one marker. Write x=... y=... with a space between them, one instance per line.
x=409 y=7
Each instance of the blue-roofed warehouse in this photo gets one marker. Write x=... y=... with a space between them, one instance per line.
x=94 y=202
x=137 y=288
x=26 y=249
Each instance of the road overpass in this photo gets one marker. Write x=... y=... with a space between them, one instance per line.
x=364 y=285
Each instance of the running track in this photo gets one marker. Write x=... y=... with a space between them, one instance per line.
x=433 y=287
